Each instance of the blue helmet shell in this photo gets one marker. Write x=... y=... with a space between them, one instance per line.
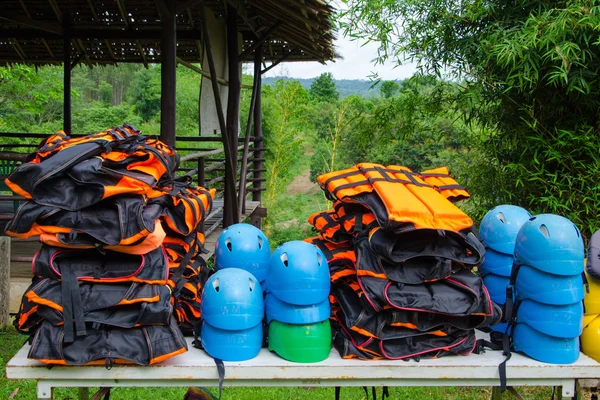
x=243 y=246
x=298 y=274
x=231 y=345
x=496 y=286
x=294 y=314
x=232 y=299
x=499 y=227
x=548 y=288
x=545 y=348
x=499 y=327
x=497 y=263
x=550 y=243
x=558 y=321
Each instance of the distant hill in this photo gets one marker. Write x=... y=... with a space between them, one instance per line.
x=346 y=87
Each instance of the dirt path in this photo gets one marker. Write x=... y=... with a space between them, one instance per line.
x=302 y=184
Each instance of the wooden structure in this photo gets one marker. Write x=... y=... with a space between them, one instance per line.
x=94 y=32
x=196 y=368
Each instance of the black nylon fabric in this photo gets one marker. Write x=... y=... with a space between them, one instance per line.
x=592 y=266
x=415 y=270
x=109 y=222
x=461 y=294
x=353 y=345
x=120 y=305
x=141 y=345
x=101 y=266
x=356 y=314
x=459 y=247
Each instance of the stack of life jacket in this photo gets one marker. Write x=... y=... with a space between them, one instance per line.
x=297 y=305
x=544 y=301
x=119 y=270
x=400 y=255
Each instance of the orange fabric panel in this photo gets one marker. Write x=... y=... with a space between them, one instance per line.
x=446 y=180
x=34 y=298
x=354 y=175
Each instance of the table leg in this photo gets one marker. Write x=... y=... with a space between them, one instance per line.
x=44 y=391
x=568 y=390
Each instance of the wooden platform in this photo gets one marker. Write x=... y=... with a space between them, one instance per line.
x=196 y=368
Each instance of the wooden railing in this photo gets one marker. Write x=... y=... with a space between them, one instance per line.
x=200 y=157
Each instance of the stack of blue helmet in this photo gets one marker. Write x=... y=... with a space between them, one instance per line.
x=233 y=298
x=547 y=275
x=297 y=287
x=498 y=230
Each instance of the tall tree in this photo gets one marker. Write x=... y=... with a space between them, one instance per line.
x=536 y=68
x=323 y=89
x=388 y=89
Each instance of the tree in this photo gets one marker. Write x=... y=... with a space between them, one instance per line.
x=388 y=89
x=323 y=89
x=530 y=76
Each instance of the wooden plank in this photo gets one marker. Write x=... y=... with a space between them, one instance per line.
x=4 y=280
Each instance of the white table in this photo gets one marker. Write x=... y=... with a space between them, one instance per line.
x=195 y=368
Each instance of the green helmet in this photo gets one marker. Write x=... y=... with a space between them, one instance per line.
x=300 y=343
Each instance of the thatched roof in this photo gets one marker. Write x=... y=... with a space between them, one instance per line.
x=114 y=31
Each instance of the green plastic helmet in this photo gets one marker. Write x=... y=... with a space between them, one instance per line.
x=300 y=343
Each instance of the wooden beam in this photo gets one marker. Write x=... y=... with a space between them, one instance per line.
x=110 y=50
x=274 y=64
x=241 y=9
x=81 y=49
x=215 y=87
x=31 y=23
x=56 y=10
x=198 y=42
x=123 y=13
x=43 y=40
x=261 y=40
x=18 y=49
x=200 y=71
x=142 y=53
x=258 y=144
x=233 y=112
x=168 y=81
x=186 y=5
x=48 y=48
x=67 y=83
x=96 y=33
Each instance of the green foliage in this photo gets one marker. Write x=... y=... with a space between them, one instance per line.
x=323 y=89
x=388 y=89
x=530 y=76
x=144 y=92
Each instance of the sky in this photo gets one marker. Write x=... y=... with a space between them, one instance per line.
x=357 y=63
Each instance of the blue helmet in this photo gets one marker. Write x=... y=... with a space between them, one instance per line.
x=499 y=227
x=550 y=243
x=231 y=345
x=243 y=246
x=499 y=327
x=545 y=348
x=496 y=263
x=548 y=288
x=295 y=314
x=558 y=321
x=232 y=299
x=496 y=286
x=298 y=274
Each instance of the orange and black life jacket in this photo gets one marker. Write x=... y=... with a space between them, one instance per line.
x=105 y=345
x=343 y=222
x=352 y=345
x=124 y=305
x=461 y=294
x=328 y=225
x=120 y=220
x=73 y=174
x=103 y=266
x=352 y=311
x=400 y=199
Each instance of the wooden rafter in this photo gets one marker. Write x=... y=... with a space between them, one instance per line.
x=56 y=10
x=18 y=49
x=44 y=42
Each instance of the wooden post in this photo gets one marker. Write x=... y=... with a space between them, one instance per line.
x=201 y=175
x=229 y=155
x=258 y=143
x=244 y=168
x=168 y=55
x=67 y=124
x=4 y=280
x=233 y=113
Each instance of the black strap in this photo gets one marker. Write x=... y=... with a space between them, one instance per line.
x=221 y=371
x=337 y=392
x=385 y=393
x=72 y=307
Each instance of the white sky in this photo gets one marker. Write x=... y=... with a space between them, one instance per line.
x=357 y=63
